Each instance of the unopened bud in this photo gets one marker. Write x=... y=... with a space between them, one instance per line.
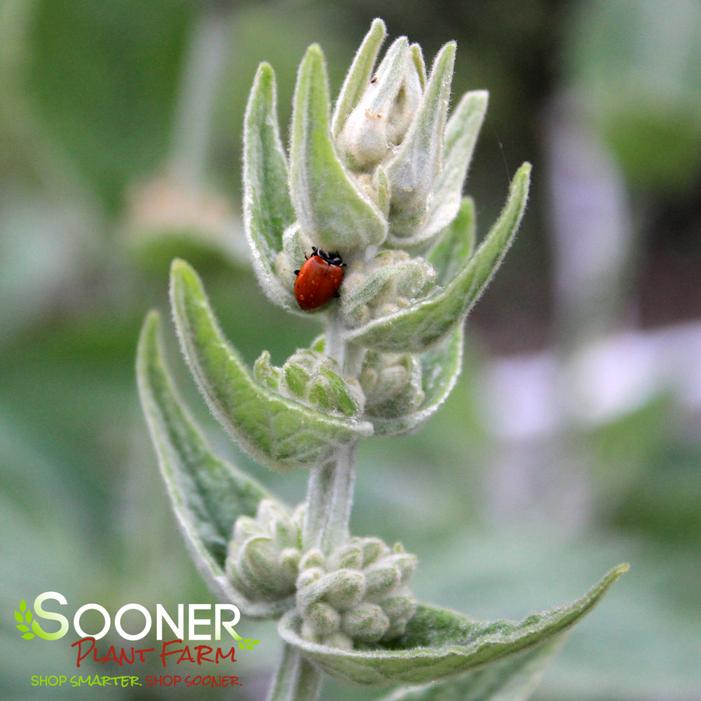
x=322 y=618
x=263 y=554
x=366 y=623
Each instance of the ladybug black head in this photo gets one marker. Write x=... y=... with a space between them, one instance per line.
x=332 y=258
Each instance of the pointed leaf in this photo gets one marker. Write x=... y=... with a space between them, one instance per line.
x=330 y=208
x=420 y=326
x=417 y=57
x=23 y=628
x=460 y=139
x=277 y=431
x=28 y=636
x=439 y=642
x=267 y=207
x=206 y=493
x=440 y=369
x=412 y=171
x=18 y=617
x=454 y=247
x=358 y=75
x=512 y=679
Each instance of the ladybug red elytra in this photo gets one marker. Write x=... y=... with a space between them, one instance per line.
x=318 y=279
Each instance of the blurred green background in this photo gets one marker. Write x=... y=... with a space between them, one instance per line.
x=572 y=440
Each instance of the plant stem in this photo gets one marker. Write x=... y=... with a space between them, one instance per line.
x=329 y=502
x=330 y=489
x=296 y=679
x=326 y=524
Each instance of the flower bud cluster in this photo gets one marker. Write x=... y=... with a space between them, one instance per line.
x=391 y=281
x=313 y=378
x=356 y=595
x=391 y=383
x=264 y=552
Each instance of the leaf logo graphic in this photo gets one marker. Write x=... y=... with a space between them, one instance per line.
x=248 y=643
x=24 y=620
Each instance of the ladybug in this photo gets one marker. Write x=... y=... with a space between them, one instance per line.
x=318 y=279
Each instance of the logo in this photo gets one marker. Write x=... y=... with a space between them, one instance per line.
x=26 y=624
x=48 y=617
x=205 y=622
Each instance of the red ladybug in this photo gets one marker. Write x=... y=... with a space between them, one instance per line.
x=318 y=279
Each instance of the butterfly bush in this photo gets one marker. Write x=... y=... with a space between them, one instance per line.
x=378 y=179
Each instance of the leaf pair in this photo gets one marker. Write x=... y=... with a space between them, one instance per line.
x=278 y=431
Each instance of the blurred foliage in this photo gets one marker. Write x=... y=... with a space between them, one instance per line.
x=102 y=79
x=87 y=97
x=637 y=66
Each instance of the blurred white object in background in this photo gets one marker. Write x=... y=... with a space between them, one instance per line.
x=612 y=377
x=598 y=369
x=590 y=231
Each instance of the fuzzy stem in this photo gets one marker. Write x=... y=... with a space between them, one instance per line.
x=329 y=502
x=330 y=487
x=296 y=679
x=326 y=524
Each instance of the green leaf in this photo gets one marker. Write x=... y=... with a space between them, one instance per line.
x=455 y=245
x=28 y=636
x=439 y=642
x=28 y=616
x=330 y=208
x=413 y=169
x=440 y=369
x=18 y=617
x=512 y=679
x=417 y=57
x=23 y=605
x=279 y=432
x=22 y=627
x=267 y=207
x=460 y=139
x=358 y=74
x=78 y=112
x=417 y=328
x=207 y=494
